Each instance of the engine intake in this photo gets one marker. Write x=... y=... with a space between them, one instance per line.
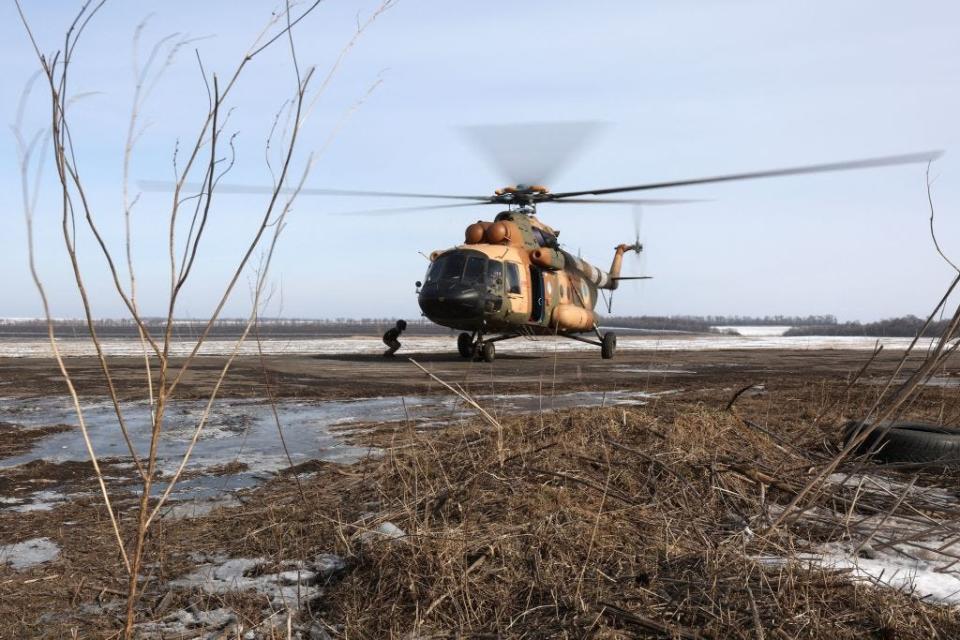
x=545 y=258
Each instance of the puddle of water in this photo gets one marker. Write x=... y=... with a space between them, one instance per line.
x=245 y=432
x=948 y=382
x=943 y=381
x=651 y=370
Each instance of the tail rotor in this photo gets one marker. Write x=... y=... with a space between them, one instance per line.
x=640 y=256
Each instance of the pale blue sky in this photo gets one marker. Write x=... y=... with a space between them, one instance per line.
x=689 y=88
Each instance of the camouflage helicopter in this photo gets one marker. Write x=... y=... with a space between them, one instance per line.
x=510 y=277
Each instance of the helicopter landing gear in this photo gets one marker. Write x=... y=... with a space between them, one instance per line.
x=486 y=351
x=483 y=349
x=608 y=345
x=465 y=344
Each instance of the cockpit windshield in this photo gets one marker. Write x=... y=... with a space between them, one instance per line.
x=447 y=267
x=459 y=267
x=473 y=272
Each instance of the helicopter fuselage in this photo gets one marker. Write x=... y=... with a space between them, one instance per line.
x=511 y=277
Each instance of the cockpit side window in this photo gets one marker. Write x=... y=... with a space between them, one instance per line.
x=513 y=278
x=495 y=276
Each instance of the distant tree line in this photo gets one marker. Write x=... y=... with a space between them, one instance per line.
x=660 y=323
x=710 y=324
x=902 y=327
x=289 y=328
x=771 y=321
x=225 y=328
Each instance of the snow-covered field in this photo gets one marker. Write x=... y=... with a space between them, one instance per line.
x=447 y=344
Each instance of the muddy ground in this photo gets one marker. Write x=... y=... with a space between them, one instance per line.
x=352 y=376
x=794 y=388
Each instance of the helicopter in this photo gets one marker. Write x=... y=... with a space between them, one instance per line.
x=510 y=277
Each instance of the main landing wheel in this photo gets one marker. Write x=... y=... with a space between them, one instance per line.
x=465 y=345
x=488 y=352
x=608 y=346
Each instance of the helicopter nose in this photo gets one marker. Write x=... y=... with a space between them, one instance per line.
x=449 y=301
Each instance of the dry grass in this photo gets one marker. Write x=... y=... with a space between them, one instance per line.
x=599 y=523
x=605 y=523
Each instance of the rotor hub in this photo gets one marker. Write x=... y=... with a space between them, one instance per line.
x=526 y=196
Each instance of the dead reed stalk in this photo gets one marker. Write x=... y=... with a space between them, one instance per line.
x=202 y=156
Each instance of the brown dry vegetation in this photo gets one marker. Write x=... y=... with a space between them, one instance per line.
x=599 y=523
x=15 y=441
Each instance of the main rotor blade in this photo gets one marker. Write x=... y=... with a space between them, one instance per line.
x=167 y=186
x=375 y=212
x=652 y=201
x=867 y=163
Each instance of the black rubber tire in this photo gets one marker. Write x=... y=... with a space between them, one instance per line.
x=608 y=346
x=918 y=442
x=488 y=352
x=465 y=344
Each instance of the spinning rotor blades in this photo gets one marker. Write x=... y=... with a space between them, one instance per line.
x=866 y=163
x=532 y=152
x=561 y=149
x=167 y=186
x=637 y=201
x=650 y=201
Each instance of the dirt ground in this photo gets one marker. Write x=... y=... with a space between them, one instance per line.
x=353 y=376
x=76 y=592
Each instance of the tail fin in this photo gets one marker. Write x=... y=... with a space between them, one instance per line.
x=613 y=278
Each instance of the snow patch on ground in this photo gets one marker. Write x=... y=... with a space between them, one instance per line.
x=296 y=583
x=37 y=501
x=923 y=578
x=936 y=497
x=909 y=552
x=187 y=624
x=29 y=553
x=761 y=338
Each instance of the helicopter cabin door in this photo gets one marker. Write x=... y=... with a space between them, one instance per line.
x=516 y=292
x=536 y=294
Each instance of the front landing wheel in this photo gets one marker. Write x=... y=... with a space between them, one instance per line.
x=488 y=352
x=465 y=345
x=608 y=346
